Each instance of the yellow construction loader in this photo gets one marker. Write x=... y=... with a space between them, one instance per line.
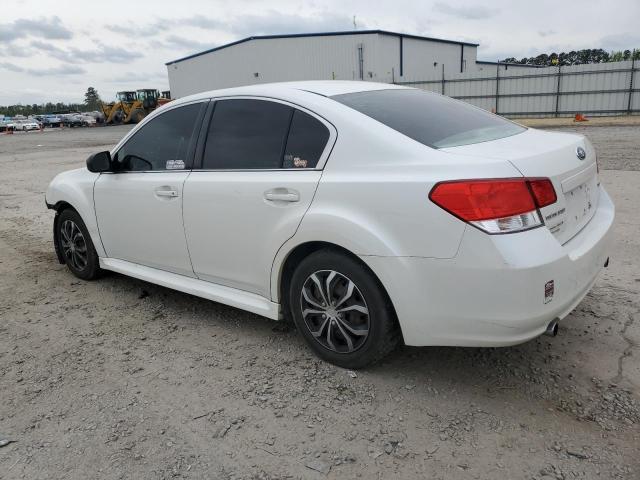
x=116 y=112
x=132 y=107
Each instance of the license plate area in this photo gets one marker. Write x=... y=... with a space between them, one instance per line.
x=581 y=203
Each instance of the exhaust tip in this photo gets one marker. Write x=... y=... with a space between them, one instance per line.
x=606 y=263
x=552 y=328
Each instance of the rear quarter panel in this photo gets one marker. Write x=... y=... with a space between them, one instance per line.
x=373 y=197
x=374 y=193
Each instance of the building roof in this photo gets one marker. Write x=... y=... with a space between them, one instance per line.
x=322 y=34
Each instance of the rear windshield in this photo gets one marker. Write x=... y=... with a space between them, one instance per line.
x=431 y=119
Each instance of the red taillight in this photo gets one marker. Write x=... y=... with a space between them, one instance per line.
x=543 y=191
x=496 y=205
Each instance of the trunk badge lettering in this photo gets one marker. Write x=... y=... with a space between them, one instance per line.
x=580 y=153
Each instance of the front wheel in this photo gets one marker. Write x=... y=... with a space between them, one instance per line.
x=342 y=310
x=76 y=246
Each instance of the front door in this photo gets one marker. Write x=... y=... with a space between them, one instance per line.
x=139 y=206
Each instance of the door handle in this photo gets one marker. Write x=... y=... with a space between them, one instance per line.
x=282 y=195
x=166 y=193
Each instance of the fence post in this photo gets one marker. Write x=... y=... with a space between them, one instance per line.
x=633 y=64
x=443 y=79
x=497 y=86
x=558 y=89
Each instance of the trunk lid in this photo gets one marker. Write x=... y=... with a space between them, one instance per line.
x=555 y=156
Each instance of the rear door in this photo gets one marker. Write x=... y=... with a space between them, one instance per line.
x=139 y=206
x=259 y=170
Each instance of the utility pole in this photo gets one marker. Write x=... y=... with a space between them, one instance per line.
x=633 y=69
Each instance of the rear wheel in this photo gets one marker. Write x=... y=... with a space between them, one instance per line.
x=76 y=246
x=341 y=310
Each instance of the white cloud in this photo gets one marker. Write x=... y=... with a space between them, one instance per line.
x=621 y=41
x=470 y=12
x=101 y=54
x=49 y=28
x=57 y=70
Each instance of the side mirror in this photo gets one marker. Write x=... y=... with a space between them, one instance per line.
x=99 y=162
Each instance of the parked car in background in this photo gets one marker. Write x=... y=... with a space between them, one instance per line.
x=71 y=120
x=26 y=125
x=98 y=116
x=6 y=124
x=367 y=213
x=37 y=119
x=87 y=120
x=51 y=120
x=9 y=124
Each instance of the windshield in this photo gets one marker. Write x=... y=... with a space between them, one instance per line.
x=431 y=119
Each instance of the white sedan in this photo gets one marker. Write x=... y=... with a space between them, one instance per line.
x=367 y=213
x=26 y=125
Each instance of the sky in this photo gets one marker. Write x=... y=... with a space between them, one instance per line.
x=52 y=50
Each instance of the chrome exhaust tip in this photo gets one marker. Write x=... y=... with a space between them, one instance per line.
x=552 y=328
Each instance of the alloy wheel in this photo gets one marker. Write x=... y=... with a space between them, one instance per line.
x=74 y=245
x=335 y=311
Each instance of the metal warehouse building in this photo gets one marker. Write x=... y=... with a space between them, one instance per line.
x=374 y=55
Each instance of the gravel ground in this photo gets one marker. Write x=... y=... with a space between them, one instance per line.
x=617 y=147
x=121 y=379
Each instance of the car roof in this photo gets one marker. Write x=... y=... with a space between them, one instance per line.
x=325 y=88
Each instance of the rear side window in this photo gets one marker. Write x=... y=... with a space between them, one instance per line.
x=307 y=138
x=162 y=144
x=247 y=134
x=431 y=119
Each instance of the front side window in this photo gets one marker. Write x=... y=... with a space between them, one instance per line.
x=431 y=119
x=162 y=144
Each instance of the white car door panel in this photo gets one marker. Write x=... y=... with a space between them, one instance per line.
x=139 y=204
x=140 y=219
x=235 y=222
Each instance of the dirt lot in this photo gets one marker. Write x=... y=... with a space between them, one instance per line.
x=120 y=379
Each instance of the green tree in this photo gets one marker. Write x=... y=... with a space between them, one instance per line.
x=92 y=99
x=34 y=109
x=588 y=55
x=619 y=56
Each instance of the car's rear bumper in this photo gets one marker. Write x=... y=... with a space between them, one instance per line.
x=492 y=293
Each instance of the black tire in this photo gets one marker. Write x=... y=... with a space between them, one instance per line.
x=383 y=333
x=89 y=268
x=137 y=116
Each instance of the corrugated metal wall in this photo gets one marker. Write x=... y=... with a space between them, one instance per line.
x=315 y=58
x=594 y=89
x=423 y=59
x=284 y=59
